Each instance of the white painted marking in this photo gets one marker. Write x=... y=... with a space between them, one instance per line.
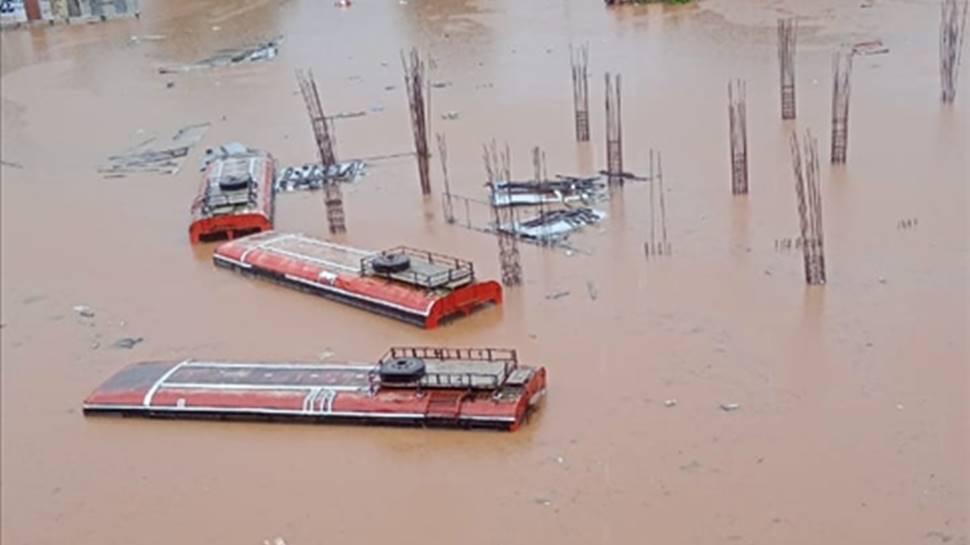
x=263 y=244
x=257 y=387
x=317 y=260
x=308 y=400
x=147 y=401
x=361 y=368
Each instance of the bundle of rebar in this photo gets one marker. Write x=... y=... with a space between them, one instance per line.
x=580 y=67
x=787 y=35
x=332 y=197
x=418 y=91
x=953 y=22
x=614 y=132
x=447 y=204
x=737 y=117
x=498 y=167
x=841 y=87
x=809 y=197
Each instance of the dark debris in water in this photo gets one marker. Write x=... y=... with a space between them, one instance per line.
x=255 y=52
x=127 y=343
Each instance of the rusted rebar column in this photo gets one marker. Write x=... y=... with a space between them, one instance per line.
x=841 y=88
x=539 y=165
x=737 y=117
x=498 y=168
x=809 y=199
x=787 y=37
x=580 y=70
x=446 y=200
x=322 y=131
x=614 y=132
x=953 y=23
x=419 y=99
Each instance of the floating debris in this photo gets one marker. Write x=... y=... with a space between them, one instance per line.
x=314 y=176
x=127 y=343
x=147 y=38
x=670 y=403
x=691 y=467
x=554 y=225
x=565 y=190
x=908 y=223
x=557 y=295
x=874 y=47
x=450 y=116
x=626 y=176
x=11 y=164
x=358 y=113
x=166 y=159
x=591 y=289
x=944 y=538
x=728 y=407
x=261 y=51
x=84 y=311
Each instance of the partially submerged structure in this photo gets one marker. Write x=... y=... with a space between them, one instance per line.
x=565 y=190
x=415 y=286
x=457 y=387
x=316 y=176
x=236 y=197
x=551 y=226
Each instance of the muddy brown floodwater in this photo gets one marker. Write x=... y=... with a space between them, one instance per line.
x=853 y=419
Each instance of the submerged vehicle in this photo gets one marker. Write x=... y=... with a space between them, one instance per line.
x=455 y=387
x=416 y=286
x=236 y=197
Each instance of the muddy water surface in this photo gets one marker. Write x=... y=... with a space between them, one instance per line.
x=852 y=425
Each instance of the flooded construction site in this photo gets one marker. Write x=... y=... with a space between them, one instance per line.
x=731 y=235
